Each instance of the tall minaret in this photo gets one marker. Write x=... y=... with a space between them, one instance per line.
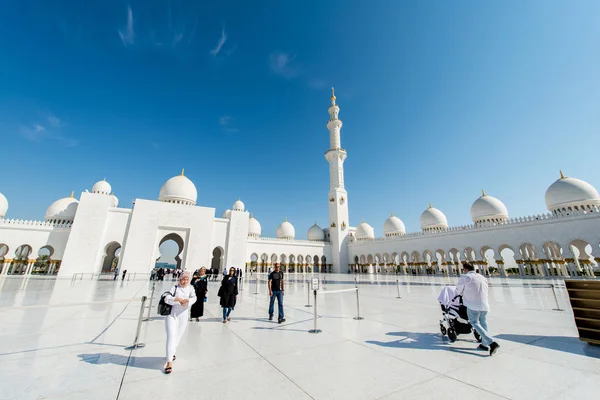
x=338 y=198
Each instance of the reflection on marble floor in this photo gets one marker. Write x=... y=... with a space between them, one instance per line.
x=66 y=340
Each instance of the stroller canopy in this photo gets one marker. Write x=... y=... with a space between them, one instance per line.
x=447 y=295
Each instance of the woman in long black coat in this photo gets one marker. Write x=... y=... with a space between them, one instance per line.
x=228 y=293
x=200 y=283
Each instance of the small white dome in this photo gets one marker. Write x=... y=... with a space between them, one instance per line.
x=254 y=228
x=393 y=226
x=488 y=209
x=62 y=209
x=364 y=231
x=180 y=190
x=101 y=187
x=315 y=233
x=226 y=213
x=571 y=192
x=433 y=219
x=115 y=200
x=286 y=231
x=3 y=206
x=238 y=205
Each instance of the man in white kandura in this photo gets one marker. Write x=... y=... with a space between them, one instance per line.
x=474 y=289
x=182 y=297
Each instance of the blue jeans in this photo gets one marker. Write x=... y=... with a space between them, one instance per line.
x=226 y=312
x=279 y=295
x=478 y=319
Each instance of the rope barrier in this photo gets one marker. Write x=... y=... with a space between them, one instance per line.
x=71 y=304
x=337 y=291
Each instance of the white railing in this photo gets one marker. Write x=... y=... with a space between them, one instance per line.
x=313 y=242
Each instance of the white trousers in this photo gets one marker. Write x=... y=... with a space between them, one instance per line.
x=175 y=326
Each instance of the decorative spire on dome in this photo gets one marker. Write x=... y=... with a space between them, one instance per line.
x=430 y=205
x=562 y=176
x=72 y=194
x=333 y=98
x=182 y=171
x=104 y=179
x=483 y=193
x=392 y=214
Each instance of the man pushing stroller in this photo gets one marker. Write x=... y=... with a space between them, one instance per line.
x=474 y=289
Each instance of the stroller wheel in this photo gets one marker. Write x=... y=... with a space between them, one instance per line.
x=452 y=335
x=477 y=336
x=443 y=330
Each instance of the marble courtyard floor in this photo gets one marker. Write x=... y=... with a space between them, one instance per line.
x=63 y=339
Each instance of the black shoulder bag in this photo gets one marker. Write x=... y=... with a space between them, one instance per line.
x=163 y=307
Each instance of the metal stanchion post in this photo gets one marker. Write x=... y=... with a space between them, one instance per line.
x=150 y=303
x=308 y=295
x=315 y=330
x=241 y=284
x=81 y=276
x=398 y=286
x=136 y=344
x=555 y=299
x=256 y=292
x=357 y=307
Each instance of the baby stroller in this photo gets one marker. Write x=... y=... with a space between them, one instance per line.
x=454 y=320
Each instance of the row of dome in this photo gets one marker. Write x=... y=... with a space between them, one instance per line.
x=564 y=195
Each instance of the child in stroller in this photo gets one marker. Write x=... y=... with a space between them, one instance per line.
x=454 y=320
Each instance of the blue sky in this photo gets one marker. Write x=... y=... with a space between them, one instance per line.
x=438 y=100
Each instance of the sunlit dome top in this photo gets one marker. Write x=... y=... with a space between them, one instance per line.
x=433 y=219
x=3 y=205
x=315 y=233
x=179 y=190
x=364 y=231
x=286 y=231
x=488 y=209
x=101 y=187
x=254 y=228
x=226 y=213
x=62 y=209
x=393 y=226
x=238 y=205
x=115 y=200
x=567 y=193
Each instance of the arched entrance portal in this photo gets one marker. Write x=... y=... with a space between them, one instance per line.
x=217 y=259
x=171 y=243
x=111 y=257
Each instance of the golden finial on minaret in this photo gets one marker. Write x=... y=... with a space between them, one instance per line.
x=392 y=214
x=182 y=171
x=333 y=94
x=483 y=193
x=72 y=194
x=562 y=176
x=430 y=205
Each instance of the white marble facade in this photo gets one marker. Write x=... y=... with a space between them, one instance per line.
x=83 y=235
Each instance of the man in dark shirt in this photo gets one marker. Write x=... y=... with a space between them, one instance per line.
x=276 y=290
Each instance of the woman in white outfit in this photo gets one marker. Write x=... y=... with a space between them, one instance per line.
x=182 y=297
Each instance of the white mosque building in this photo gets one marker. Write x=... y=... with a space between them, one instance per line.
x=85 y=235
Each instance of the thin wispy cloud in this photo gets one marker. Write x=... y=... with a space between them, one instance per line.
x=317 y=84
x=177 y=38
x=127 y=34
x=48 y=130
x=220 y=43
x=226 y=122
x=282 y=64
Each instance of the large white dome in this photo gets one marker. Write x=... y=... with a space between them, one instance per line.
x=315 y=233
x=433 y=219
x=179 y=189
x=393 y=226
x=238 y=205
x=567 y=193
x=364 y=231
x=101 y=187
x=3 y=205
x=286 y=231
x=488 y=209
x=62 y=209
x=254 y=228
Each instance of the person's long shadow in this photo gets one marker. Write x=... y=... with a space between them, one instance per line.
x=427 y=341
x=153 y=363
